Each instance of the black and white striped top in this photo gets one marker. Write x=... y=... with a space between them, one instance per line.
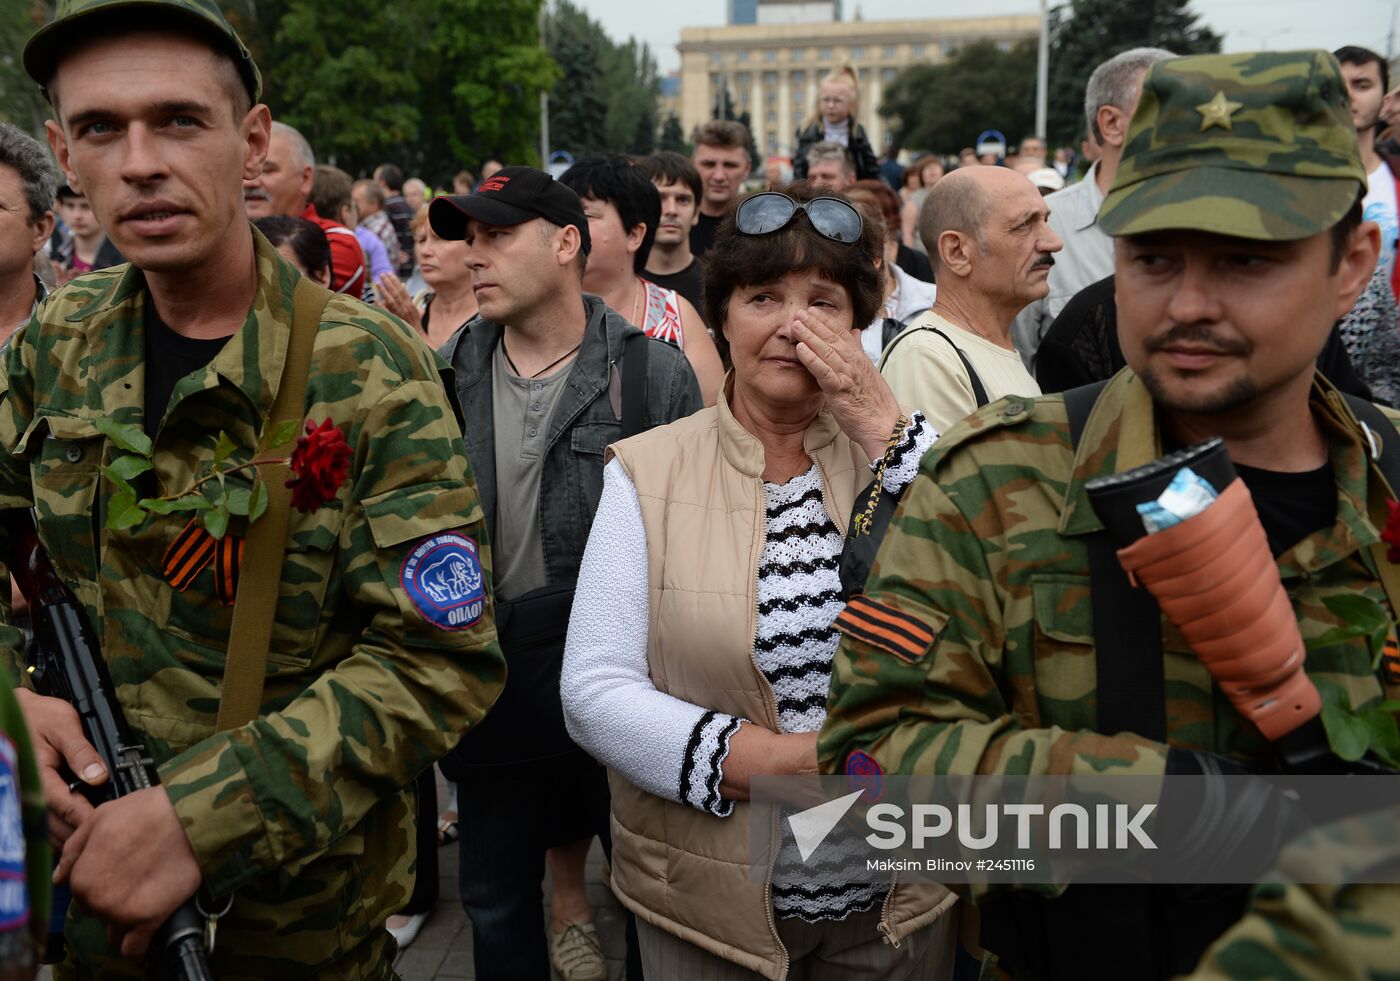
x=676 y=749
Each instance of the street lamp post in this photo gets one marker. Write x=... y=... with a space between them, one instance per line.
x=1042 y=71
x=544 y=97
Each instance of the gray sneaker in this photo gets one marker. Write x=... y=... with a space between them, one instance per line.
x=576 y=953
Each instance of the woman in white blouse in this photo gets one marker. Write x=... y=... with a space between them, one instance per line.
x=699 y=650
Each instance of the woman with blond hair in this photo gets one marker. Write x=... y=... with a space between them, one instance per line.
x=838 y=103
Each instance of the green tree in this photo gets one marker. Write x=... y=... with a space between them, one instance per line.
x=605 y=100
x=943 y=107
x=673 y=137
x=417 y=82
x=21 y=102
x=1085 y=33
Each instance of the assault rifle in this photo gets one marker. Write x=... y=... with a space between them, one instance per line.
x=65 y=662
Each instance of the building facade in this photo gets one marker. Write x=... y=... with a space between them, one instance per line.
x=772 y=70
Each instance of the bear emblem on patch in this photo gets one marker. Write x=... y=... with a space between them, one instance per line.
x=442 y=577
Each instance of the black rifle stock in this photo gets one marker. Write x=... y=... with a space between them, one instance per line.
x=67 y=664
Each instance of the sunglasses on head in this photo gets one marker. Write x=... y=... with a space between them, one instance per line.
x=771 y=210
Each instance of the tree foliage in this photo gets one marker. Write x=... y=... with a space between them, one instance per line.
x=1085 y=33
x=419 y=82
x=673 y=136
x=605 y=99
x=943 y=107
x=21 y=102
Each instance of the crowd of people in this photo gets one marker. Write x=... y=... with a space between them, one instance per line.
x=603 y=554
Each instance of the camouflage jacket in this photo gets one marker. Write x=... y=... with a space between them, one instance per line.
x=1297 y=931
x=986 y=552
x=301 y=814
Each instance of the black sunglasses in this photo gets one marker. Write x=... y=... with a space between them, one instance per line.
x=770 y=211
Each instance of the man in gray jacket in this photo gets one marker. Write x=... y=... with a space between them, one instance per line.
x=542 y=374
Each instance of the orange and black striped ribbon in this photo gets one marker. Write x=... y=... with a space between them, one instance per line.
x=194 y=549
x=1390 y=660
x=906 y=637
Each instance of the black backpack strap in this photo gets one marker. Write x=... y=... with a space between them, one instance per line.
x=978 y=391
x=1128 y=659
x=634 y=384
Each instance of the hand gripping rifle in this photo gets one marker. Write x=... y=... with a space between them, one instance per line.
x=66 y=663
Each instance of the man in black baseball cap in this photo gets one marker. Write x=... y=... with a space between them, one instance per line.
x=540 y=374
x=511 y=196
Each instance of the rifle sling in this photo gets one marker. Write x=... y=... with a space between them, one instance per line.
x=255 y=607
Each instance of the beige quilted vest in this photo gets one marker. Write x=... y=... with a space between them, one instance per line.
x=700 y=485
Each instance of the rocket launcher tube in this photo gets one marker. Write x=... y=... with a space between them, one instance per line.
x=1209 y=566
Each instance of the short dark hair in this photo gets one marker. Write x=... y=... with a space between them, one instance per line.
x=330 y=191
x=391 y=175
x=1354 y=54
x=1343 y=230
x=669 y=167
x=308 y=242
x=724 y=133
x=739 y=260
x=612 y=177
x=885 y=200
x=66 y=193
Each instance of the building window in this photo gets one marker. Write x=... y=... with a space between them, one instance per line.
x=824 y=54
x=799 y=78
x=770 y=55
x=887 y=75
x=950 y=48
x=857 y=53
x=797 y=54
x=771 y=95
x=742 y=56
x=916 y=50
x=864 y=74
x=889 y=52
x=770 y=78
x=772 y=143
x=772 y=118
x=716 y=58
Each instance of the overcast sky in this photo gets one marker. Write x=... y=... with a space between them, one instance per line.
x=1246 y=24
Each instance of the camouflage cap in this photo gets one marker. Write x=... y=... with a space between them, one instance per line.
x=44 y=49
x=1257 y=145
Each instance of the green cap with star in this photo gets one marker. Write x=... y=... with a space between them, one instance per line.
x=75 y=18
x=1256 y=145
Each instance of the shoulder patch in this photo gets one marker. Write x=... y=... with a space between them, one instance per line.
x=14 y=892
x=864 y=773
x=906 y=637
x=442 y=577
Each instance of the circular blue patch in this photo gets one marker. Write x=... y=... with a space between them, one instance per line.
x=864 y=773
x=442 y=577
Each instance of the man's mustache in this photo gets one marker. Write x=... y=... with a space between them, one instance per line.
x=1044 y=262
x=1198 y=335
x=257 y=195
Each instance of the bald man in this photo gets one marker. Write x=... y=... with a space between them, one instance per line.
x=991 y=246
x=283 y=187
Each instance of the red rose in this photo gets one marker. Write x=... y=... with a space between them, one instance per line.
x=1391 y=533
x=320 y=463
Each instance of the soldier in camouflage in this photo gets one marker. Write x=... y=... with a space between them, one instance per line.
x=1239 y=242
x=300 y=817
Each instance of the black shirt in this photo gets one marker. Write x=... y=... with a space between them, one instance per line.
x=1292 y=506
x=915 y=263
x=688 y=282
x=702 y=236
x=170 y=357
